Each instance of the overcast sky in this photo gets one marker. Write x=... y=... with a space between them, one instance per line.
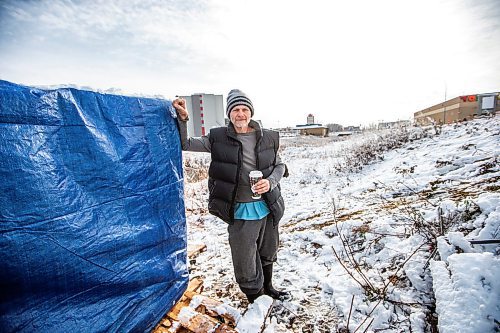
x=349 y=62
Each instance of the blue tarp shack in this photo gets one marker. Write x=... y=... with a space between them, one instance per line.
x=92 y=222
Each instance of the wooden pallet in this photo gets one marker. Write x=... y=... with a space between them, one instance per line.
x=182 y=318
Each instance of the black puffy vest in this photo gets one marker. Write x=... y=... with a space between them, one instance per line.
x=225 y=168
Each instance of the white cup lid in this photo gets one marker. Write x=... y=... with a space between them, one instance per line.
x=255 y=173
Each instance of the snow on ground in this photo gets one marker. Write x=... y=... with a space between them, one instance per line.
x=382 y=247
x=467 y=292
x=253 y=320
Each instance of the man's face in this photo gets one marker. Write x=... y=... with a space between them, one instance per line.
x=240 y=116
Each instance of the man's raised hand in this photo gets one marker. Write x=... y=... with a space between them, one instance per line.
x=179 y=105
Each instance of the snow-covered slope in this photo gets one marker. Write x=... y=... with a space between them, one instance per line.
x=381 y=248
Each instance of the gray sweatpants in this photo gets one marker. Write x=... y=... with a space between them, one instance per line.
x=254 y=244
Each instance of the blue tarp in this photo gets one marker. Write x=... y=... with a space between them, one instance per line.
x=92 y=223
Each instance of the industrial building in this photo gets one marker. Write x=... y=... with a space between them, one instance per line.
x=459 y=109
x=310 y=119
x=206 y=111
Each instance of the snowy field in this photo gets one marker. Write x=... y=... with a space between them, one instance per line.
x=375 y=236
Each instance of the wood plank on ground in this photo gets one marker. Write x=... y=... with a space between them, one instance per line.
x=195 y=249
x=201 y=323
x=182 y=318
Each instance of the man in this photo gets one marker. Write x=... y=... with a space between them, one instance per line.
x=236 y=150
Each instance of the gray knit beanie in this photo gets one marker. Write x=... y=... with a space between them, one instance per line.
x=237 y=97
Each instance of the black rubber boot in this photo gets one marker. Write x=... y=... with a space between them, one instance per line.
x=252 y=297
x=268 y=283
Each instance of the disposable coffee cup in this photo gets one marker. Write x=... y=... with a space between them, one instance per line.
x=255 y=176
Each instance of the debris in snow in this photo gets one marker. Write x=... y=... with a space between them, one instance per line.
x=199 y=314
x=197 y=322
x=215 y=308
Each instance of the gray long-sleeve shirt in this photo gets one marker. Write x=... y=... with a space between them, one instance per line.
x=248 y=141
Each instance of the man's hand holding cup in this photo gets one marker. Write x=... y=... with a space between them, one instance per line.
x=258 y=184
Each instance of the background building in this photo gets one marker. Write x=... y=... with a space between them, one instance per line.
x=335 y=128
x=459 y=109
x=205 y=112
x=311 y=128
x=393 y=124
x=310 y=119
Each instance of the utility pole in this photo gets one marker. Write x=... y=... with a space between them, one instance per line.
x=444 y=104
